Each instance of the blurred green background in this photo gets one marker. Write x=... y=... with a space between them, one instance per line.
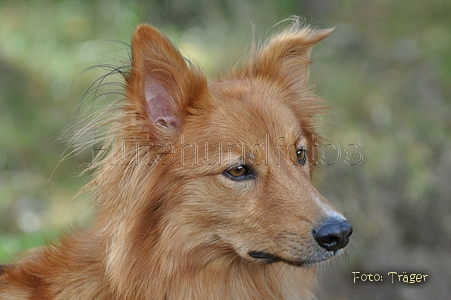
x=386 y=70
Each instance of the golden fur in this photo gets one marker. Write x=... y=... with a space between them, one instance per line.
x=173 y=220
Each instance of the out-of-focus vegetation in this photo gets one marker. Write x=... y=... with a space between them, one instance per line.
x=386 y=70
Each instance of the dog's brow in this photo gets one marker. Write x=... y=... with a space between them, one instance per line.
x=250 y=155
x=236 y=160
x=300 y=140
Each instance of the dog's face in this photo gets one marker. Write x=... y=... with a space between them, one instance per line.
x=236 y=177
x=247 y=165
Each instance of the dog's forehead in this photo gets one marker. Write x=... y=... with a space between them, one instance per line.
x=252 y=110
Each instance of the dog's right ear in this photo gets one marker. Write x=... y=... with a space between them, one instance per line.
x=286 y=57
x=161 y=85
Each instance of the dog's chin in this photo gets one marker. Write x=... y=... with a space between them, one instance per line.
x=268 y=258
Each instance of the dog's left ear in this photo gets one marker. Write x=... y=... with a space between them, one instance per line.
x=286 y=57
x=162 y=85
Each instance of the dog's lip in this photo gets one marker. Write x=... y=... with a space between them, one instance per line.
x=264 y=256
x=269 y=258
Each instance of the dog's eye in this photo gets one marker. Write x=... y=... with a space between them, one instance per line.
x=301 y=156
x=239 y=172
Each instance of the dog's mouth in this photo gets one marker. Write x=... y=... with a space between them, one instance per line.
x=268 y=258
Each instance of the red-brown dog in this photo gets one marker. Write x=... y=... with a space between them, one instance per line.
x=206 y=191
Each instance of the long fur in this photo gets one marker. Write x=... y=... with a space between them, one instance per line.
x=171 y=224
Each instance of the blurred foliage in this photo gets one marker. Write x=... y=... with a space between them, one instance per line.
x=385 y=69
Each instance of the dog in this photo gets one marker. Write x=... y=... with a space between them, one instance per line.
x=205 y=191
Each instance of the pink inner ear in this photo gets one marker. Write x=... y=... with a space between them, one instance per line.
x=160 y=106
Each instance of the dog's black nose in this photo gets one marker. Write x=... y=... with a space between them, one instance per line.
x=333 y=234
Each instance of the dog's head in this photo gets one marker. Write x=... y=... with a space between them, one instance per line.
x=223 y=167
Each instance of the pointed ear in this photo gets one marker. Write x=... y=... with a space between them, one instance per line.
x=161 y=80
x=286 y=57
